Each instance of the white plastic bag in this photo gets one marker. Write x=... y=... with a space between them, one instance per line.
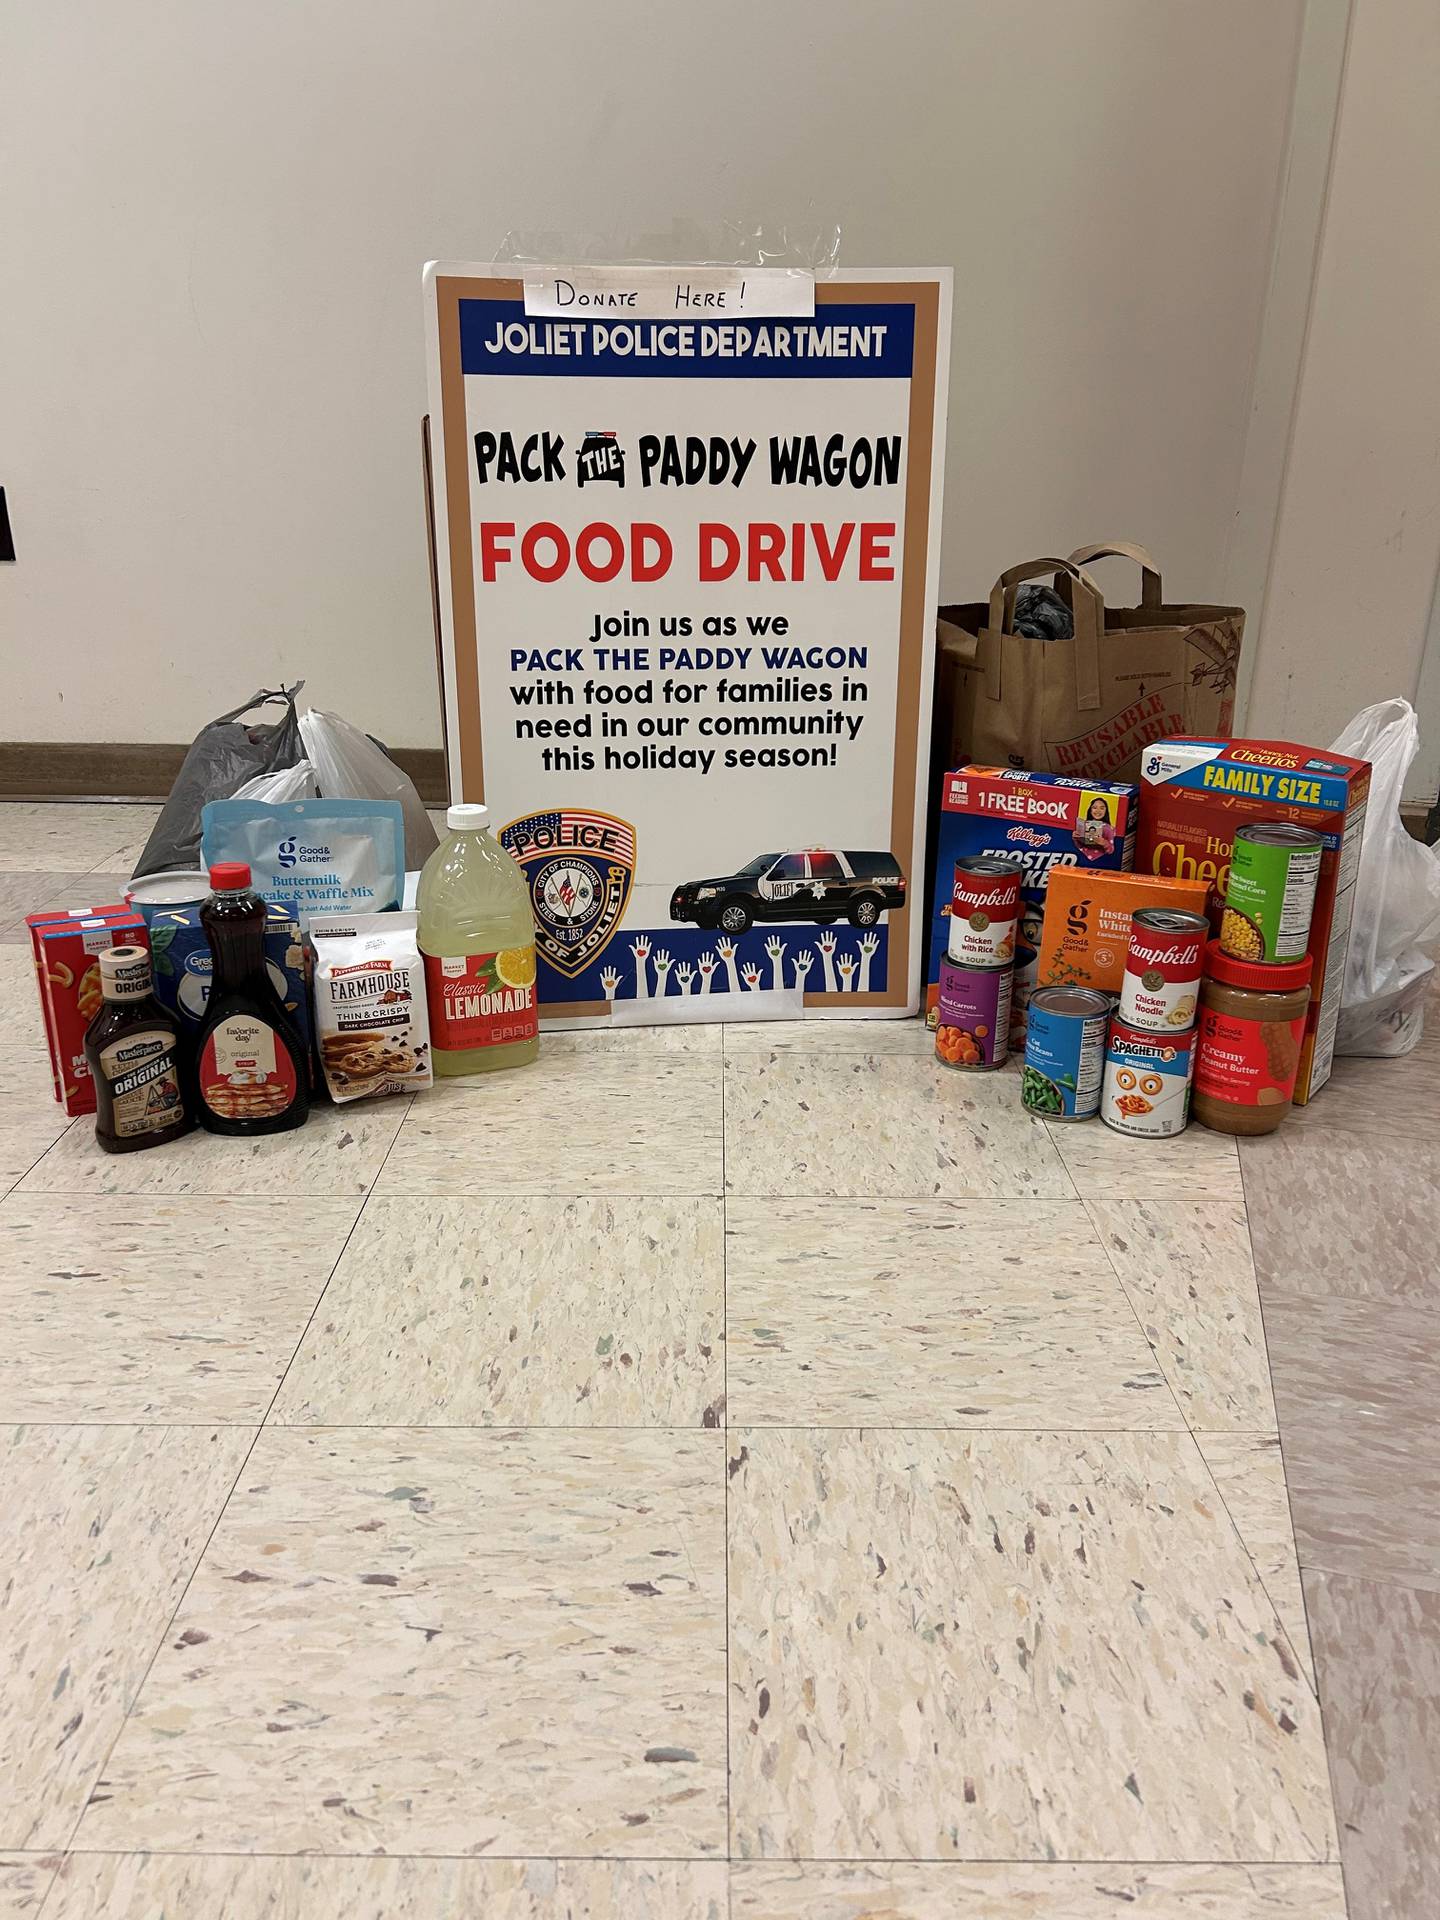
x=1397 y=895
x=349 y=766
x=290 y=783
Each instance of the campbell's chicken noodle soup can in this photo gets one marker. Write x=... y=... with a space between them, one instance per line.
x=973 y=1027
x=1147 y=1081
x=1161 y=987
x=1065 y=1052
x=984 y=906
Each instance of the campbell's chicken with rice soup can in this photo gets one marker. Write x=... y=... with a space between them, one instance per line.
x=984 y=907
x=1160 y=990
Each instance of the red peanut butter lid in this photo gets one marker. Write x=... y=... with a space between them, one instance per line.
x=228 y=875
x=1262 y=976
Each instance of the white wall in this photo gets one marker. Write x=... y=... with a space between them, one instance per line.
x=1357 y=540
x=215 y=217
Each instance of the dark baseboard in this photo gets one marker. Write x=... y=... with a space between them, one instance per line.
x=139 y=770
x=1420 y=820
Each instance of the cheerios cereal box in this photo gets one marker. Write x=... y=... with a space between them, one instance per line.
x=1195 y=793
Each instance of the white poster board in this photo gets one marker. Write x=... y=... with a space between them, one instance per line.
x=687 y=538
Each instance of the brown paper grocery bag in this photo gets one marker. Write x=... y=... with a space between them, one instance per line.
x=1087 y=705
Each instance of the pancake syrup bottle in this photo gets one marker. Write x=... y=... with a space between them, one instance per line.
x=477 y=936
x=249 y=1061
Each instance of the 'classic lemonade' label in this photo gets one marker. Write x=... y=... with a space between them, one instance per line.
x=481 y=999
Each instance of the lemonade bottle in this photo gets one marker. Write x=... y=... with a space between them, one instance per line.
x=478 y=939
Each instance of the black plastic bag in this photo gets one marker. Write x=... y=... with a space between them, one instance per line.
x=222 y=757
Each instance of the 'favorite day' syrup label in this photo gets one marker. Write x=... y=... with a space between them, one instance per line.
x=244 y=1073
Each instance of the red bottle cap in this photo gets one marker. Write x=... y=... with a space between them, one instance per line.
x=228 y=876
x=1261 y=976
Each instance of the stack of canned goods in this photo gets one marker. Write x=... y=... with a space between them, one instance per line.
x=1129 y=1063
x=976 y=977
x=1150 y=1049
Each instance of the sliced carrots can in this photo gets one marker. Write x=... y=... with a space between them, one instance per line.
x=974 y=1017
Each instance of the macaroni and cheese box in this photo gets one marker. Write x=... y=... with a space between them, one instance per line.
x=1194 y=794
x=64 y=947
x=1086 y=934
x=180 y=957
x=1044 y=820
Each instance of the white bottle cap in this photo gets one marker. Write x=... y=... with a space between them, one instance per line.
x=466 y=817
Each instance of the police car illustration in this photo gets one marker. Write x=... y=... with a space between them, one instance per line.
x=814 y=883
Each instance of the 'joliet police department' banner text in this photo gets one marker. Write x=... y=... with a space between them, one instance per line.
x=687 y=573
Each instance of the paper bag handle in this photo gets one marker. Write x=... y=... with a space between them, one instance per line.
x=1089 y=611
x=1150 y=592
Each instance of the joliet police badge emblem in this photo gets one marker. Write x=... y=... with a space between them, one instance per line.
x=580 y=866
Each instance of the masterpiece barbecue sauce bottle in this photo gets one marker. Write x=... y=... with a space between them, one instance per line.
x=133 y=1047
x=249 y=1061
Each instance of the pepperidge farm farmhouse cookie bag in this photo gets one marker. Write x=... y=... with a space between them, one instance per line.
x=371 y=1022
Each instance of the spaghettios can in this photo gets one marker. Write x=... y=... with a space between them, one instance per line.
x=974 y=1017
x=1065 y=1052
x=1147 y=1081
x=1270 y=896
x=1161 y=987
x=984 y=906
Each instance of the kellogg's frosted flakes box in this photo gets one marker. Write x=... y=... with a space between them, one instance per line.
x=1044 y=820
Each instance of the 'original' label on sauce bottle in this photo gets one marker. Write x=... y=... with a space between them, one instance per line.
x=144 y=1083
x=481 y=999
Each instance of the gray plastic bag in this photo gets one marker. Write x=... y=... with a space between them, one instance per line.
x=222 y=757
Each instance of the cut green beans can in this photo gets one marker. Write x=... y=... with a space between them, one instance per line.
x=1065 y=1052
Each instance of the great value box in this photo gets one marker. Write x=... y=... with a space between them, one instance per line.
x=180 y=956
x=1044 y=820
x=1195 y=793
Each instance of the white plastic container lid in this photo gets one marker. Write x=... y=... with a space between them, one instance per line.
x=466 y=817
x=169 y=888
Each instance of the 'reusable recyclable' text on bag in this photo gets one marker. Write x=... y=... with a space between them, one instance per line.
x=1086 y=703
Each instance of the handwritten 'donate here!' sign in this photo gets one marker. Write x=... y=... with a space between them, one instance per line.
x=663 y=293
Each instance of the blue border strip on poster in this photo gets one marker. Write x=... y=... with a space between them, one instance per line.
x=818 y=349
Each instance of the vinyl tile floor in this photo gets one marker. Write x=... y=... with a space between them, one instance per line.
x=769 y=1477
